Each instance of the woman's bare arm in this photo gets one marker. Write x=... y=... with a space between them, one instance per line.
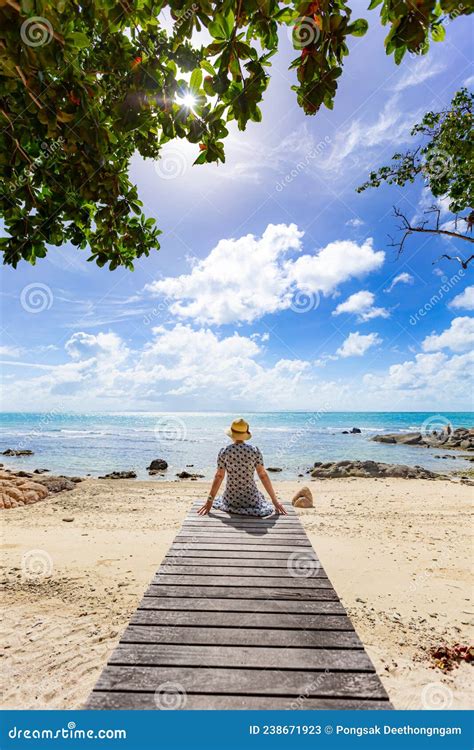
x=266 y=481
x=216 y=483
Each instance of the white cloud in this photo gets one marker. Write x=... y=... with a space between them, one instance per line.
x=355 y=223
x=334 y=264
x=469 y=82
x=402 y=278
x=422 y=69
x=362 y=304
x=465 y=300
x=392 y=126
x=458 y=337
x=427 y=375
x=243 y=279
x=356 y=344
x=179 y=367
x=10 y=351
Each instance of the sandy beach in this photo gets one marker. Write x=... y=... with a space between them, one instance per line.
x=76 y=565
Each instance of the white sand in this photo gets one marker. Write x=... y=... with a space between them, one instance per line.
x=398 y=553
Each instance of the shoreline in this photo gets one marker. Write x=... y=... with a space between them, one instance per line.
x=395 y=550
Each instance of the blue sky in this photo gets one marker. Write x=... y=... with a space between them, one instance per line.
x=275 y=287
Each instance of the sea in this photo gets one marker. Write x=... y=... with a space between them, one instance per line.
x=94 y=444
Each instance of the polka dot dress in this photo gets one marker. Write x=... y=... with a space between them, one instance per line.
x=241 y=494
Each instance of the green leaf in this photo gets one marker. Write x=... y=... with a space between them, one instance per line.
x=358 y=28
x=78 y=39
x=438 y=33
x=195 y=80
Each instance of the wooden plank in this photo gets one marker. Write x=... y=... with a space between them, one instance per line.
x=238 y=581
x=237 y=592
x=286 y=544
x=241 y=637
x=243 y=681
x=295 y=541
x=246 y=656
x=241 y=620
x=267 y=554
x=109 y=701
x=219 y=570
x=206 y=604
x=286 y=523
x=228 y=563
x=237 y=547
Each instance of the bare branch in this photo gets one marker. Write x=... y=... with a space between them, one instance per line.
x=407 y=229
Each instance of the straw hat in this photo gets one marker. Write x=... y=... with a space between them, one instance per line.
x=239 y=430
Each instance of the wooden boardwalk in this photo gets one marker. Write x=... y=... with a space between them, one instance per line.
x=240 y=615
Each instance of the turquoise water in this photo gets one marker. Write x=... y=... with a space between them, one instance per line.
x=80 y=444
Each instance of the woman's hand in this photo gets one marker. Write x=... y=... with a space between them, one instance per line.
x=279 y=508
x=205 y=508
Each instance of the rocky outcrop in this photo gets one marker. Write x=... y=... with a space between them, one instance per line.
x=56 y=484
x=187 y=475
x=18 y=491
x=369 y=469
x=303 y=498
x=120 y=475
x=12 y=452
x=158 y=464
x=461 y=438
x=274 y=468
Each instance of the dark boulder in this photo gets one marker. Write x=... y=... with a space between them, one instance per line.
x=12 y=452
x=120 y=475
x=158 y=464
